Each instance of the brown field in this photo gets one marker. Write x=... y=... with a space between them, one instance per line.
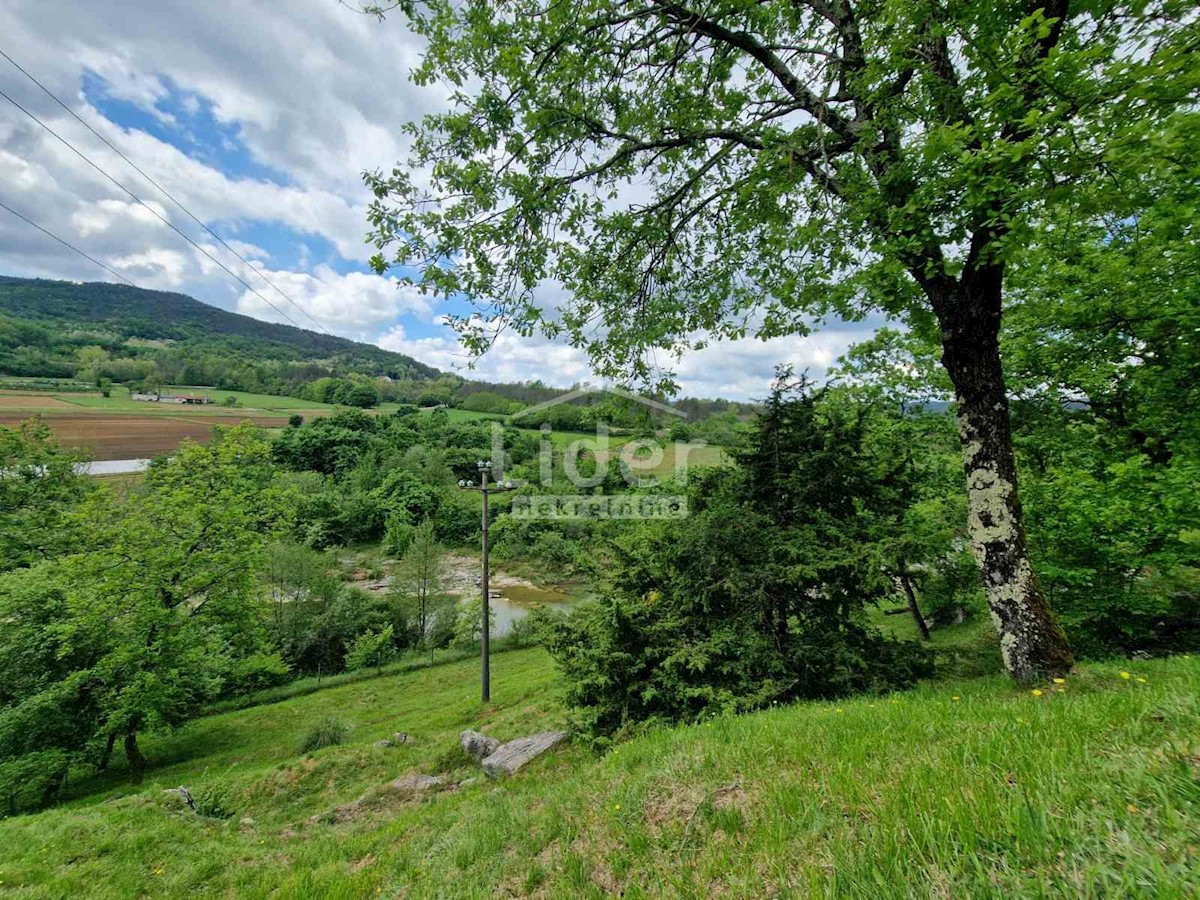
x=10 y=400
x=131 y=436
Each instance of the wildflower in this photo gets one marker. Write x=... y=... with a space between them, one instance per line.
x=1131 y=808
x=1141 y=681
x=617 y=807
x=1036 y=692
x=1126 y=675
x=839 y=709
x=1061 y=690
x=956 y=699
x=1060 y=681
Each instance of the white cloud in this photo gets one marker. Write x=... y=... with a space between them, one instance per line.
x=354 y=305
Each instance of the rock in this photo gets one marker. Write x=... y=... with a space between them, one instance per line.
x=400 y=737
x=478 y=746
x=509 y=757
x=412 y=784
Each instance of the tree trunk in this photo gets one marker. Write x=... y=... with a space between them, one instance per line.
x=105 y=756
x=133 y=753
x=913 y=607
x=1031 y=641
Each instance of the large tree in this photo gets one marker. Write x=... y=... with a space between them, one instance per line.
x=696 y=169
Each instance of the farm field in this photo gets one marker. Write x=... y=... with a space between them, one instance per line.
x=117 y=427
x=126 y=437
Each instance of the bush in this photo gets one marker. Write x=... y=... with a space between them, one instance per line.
x=295 y=420
x=32 y=781
x=398 y=534
x=631 y=661
x=213 y=801
x=373 y=648
x=329 y=732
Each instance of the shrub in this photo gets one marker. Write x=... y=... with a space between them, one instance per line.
x=295 y=420
x=33 y=780
x=213 y=801
x=373 y=648
x=329 y=732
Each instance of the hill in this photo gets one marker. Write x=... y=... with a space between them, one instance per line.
x=118 y=316
x=968 y=788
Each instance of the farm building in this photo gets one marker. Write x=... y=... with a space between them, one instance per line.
x=187 y=399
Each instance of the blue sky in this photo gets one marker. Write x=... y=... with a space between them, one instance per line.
x=261 y=119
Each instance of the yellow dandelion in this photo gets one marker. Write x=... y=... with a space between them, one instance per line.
x=1060 y=681
x=956 y=699
x=1126 y=675
x=1036 y=692
x=617 y=807
x=839 y=709
x=1061 y=690
x=1141 y=681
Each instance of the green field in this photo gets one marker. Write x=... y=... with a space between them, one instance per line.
x=120 y=402
x=970 y=788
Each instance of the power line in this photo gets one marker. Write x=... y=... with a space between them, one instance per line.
x=146 y=206
x=69 y=246
x=164 y=191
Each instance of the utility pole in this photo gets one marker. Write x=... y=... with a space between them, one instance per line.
x=485 y=469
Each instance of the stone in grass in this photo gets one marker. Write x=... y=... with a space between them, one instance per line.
x=400 y=737
x=413 y=784
x=507 y=758
x=478 y=746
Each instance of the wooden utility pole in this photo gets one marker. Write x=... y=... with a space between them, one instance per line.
x=485 y=488
x=484 y=648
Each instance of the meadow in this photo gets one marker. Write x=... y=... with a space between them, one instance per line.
x=958 y=788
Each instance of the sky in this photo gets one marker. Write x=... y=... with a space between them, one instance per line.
x=260 y=118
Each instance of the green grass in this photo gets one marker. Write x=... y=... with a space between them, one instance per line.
x=965 y=789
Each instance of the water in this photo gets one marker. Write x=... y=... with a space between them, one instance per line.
x=516 y=602
x=114 y=467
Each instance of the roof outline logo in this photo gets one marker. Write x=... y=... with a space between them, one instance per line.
x=585 y=389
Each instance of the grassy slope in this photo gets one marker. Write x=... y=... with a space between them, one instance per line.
x=959 y=789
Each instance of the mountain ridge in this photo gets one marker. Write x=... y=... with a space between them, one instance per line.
x=166 y=315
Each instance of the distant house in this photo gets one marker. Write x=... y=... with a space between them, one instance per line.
x=186 y=399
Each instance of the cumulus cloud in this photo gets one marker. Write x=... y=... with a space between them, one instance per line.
x=354 y=305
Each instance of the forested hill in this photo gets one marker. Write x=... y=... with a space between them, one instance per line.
x=119 y=313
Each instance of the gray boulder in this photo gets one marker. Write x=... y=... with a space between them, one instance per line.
x=508 y=758
x=412 y=784
x=478 y=746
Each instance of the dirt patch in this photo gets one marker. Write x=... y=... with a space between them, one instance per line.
x=122 y=437
x=262 y=421
x=31 y=401
x=463 y=576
